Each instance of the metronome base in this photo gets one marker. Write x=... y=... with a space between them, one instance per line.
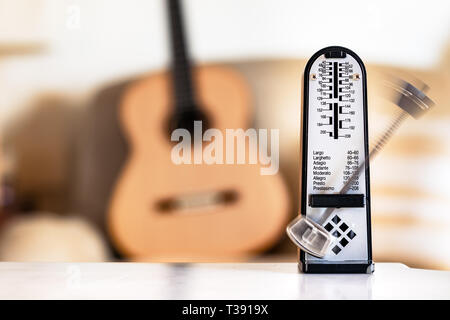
x=306 y=267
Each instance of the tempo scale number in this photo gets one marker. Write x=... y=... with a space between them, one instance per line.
x=351 y=168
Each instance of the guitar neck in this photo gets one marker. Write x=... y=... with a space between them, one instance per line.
x=183 y=89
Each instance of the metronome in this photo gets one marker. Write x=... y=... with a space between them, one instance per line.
x=334 y=230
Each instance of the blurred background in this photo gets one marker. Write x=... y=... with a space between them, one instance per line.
x=67 y=67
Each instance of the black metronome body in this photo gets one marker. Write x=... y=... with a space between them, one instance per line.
x=335 y=186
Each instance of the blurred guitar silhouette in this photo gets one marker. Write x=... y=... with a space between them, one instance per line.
x=169 y=212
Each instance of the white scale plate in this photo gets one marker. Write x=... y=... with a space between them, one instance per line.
x=335 y=150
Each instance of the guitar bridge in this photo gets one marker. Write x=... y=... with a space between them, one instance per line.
x=196 y=201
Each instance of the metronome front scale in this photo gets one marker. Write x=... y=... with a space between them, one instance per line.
x=335 y=145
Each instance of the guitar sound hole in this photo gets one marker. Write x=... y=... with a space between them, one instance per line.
x=197 y=201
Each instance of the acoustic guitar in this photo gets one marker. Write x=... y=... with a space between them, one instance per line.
x=168 y=212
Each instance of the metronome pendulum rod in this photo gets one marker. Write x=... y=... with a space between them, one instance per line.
x=413 y=97
x=378 y=146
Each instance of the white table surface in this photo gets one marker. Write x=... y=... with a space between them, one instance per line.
x=213 y=281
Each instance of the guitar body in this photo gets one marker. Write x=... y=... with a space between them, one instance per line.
x=252 y=221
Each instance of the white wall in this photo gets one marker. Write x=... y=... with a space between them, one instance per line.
x=116 y=38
